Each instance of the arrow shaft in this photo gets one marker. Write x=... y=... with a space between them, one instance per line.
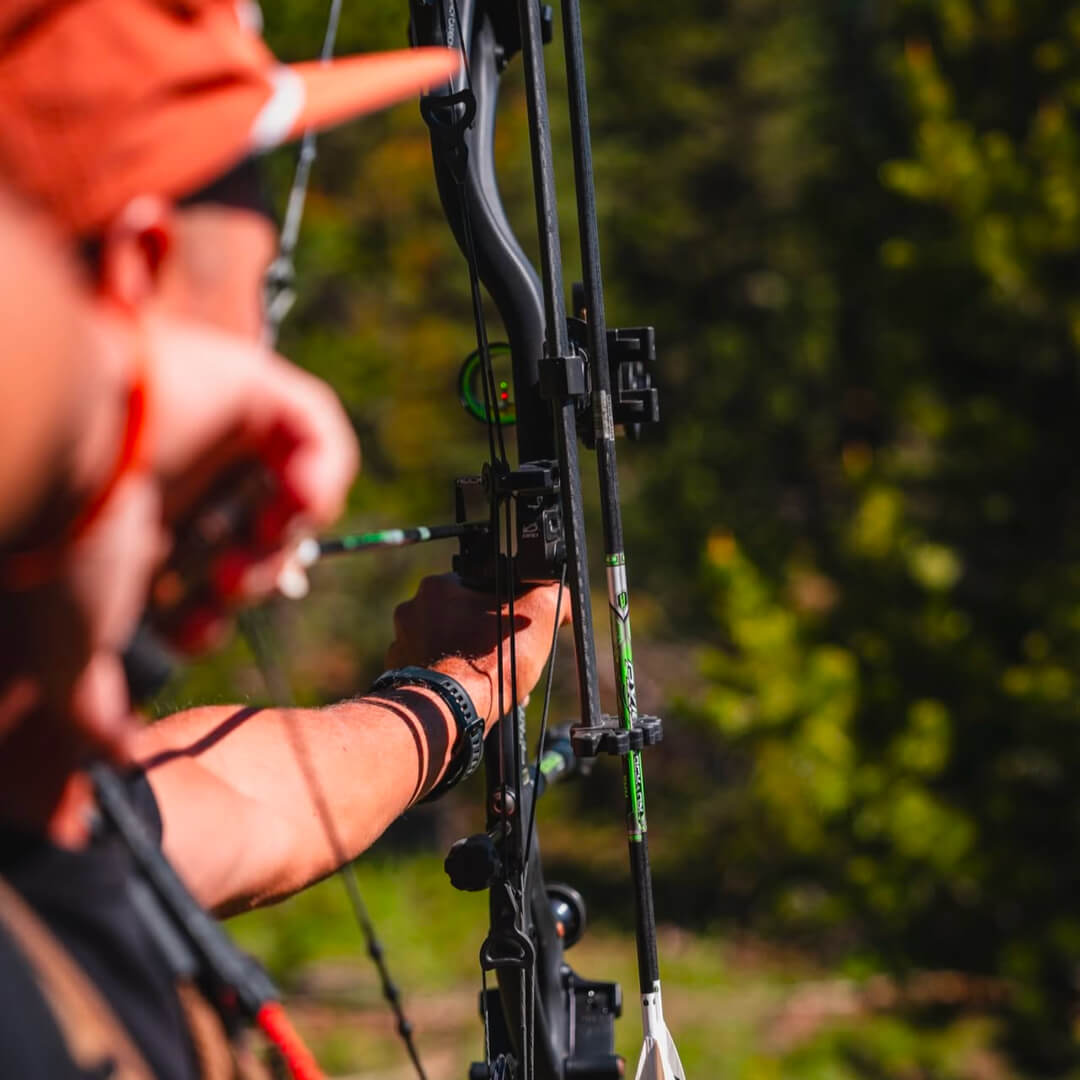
x=386 y=538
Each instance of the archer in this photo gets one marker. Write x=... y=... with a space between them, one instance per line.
x=142 y=160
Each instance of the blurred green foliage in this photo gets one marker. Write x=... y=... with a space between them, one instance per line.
x=856 y=226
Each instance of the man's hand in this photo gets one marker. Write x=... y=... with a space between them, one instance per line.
x=214 y=401
x=250 y=451
x=453 y=629
x=217 y=397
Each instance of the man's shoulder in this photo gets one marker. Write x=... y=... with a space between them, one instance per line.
x=31 y=1044
x=83 y=900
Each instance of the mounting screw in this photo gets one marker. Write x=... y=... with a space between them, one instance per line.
x=503 y=802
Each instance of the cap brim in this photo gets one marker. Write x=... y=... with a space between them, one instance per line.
x=311 y=96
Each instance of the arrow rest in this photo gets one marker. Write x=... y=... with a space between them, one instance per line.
x=531 y=492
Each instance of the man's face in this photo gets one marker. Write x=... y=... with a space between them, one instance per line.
x=215 y=269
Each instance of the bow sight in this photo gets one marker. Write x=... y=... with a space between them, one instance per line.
x=532 y=489
x=571 y=379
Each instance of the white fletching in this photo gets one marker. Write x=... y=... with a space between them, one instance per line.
x=659 y=1059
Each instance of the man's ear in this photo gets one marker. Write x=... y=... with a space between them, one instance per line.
x=134 y=246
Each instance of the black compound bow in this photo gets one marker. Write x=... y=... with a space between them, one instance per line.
x=571 y=377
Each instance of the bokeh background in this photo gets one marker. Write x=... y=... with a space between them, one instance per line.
x=854 y=541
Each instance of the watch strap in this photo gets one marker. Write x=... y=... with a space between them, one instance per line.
x=469 y=743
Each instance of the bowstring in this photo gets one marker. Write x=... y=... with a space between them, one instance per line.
x=280 y=295
x=530 y=832
x=281 y=278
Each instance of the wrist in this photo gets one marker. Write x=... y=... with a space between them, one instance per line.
x=445 y=736
x=469 y=725
x=476 y=683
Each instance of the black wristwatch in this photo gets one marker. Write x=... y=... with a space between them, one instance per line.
x=469 y=745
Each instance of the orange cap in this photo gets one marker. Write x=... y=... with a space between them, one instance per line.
x=105 y=100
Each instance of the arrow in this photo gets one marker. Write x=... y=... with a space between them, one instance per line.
x=292 y=579
x=312 y=551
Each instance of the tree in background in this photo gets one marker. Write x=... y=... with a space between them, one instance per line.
x=857 y=225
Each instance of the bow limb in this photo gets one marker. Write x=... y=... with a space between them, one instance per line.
x=503 y=267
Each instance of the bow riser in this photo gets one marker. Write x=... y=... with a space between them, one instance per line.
x=562 y=1004
x=559 y=394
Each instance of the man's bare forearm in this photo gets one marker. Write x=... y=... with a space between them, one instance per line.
x=258 y=803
